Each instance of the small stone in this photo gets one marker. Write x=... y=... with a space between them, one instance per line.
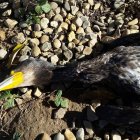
x=92 y=43
x=34 y=42
x=44 y=38
x=58 y=136
x=86 y=24
x=36 y=51
x=69 y=135
x=135 y=27
x=91 y=2
x=64 y=25
x=23 y=58
x=4 y=5
x=80 y=48
x=54 y=24
x=97 y=138
x=60 y=113
x=80 y=30
x=83 y=41
x=78 y=21
x=134 y=31
x=115 y=136
x=63 y=12
x=45 y=136
x=58 y=18
x=3 y=53
x=10 y=23
x=70 y=16
x=61 y=37
x=23 y=90
x=107 y=39
x=54 y=5
x=7 y=13
x=96 y=28
x=37 y=27
x=56 y=43
x=23 y=25
x=71 y=45
x=73 y=27
x=44 y=23
x=88 y=128
x=51 y=14
x=80 y=134
x=48 y=30
x=87 y=50
x=68 y=54
x=97 y=6
x=57 y=10
x=76 y=41
x=118 y=3
x=71 y=36
x=86 y=6
x=88 y=30
x=54 y=59
x=19 y=38
x=59 y=1
x=37 y=93
x=106 y=136
x=91 y=115
x=27 y=95
x=19 y=101
x=25 y=51
x=58 y=51
x=2 y=35
x=74 y=9
x=67 y=6
x=37 y=34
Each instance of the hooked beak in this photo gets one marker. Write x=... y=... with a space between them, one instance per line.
x=13 y=81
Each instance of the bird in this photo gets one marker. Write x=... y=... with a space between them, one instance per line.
x=119 y=69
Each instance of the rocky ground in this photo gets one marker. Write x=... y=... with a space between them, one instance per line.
x=71 y=30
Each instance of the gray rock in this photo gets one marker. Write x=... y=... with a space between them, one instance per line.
x=46 y=46
x=67 y=6
x=59 y=136
x=91 y=115
x=3 y=53
x=37 y=27
x=60 y=113
x=23 y=25
x=80 y=134
x=19 y=38
x=7 y=13
x=4 y=5
x=44 y=23
x=10 y=23
x=68 y=54
x=88 y=128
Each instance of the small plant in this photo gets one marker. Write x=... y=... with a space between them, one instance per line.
x=60 y=101
x=8 y=99
x=16 y=136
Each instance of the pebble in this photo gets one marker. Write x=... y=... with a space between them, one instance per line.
x=91 y=115
x=19 y=101
x=115 y=136
x=60 y=113
x=3 y=53
x=59 y=1
x=19 y=38
x=71 y=36
x=54 y=24
x=87 y=50
x=69 y=135
x=4 y=5
x=56 y=43
x=44 y=23
x=44 y=38
x=135 y=27
x=118 y=3
x=27 y=95
x=64 y=25
x=37 y=27
x=54 y=5
x=86 y=24
x=133 y=22
x=86 y=6
x=25 y=51
x=68 y=54
x=37 y=34
x=35 y=51
x=59 y=136
x=73 y=27
x=80 y=48
x=10 y=23
x=2 y=35
x=23 y=25
x=96 y=28
x=132 y=31
x=67 y=6
x=97 y=138
x=48 y=31
x=80 y=134
x=106 y=136
x=23 y=58
x=7 y=13
x=97 y=6
x=80 y=30
x=74 y=9
x=78 y=22
x=88 y=127
x=58 y=18
x=45 y=136
x=34 y=42
x=91 y=2
x=37 y=93
x=54 y=59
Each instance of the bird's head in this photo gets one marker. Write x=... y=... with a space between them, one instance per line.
x=28 y=73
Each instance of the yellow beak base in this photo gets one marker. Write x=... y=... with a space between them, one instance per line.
x=13 y=81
